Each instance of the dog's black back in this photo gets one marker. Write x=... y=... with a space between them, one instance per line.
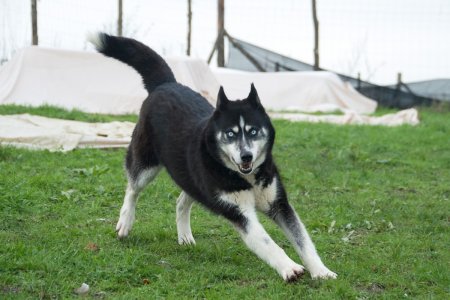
x=174 y=129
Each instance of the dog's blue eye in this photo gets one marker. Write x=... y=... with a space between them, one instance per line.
x=230 y=134
x=253 y=132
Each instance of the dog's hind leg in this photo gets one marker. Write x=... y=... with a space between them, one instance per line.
x=184 y=204
x=135 y=185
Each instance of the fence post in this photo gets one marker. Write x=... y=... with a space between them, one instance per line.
x=359 y=82
x=220 y=35
x=399 y=80
x=34 y=25
x=188 y=50
x=244 y=52
x=120 y=18
x=316 y=36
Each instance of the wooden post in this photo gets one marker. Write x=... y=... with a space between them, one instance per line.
x=120 y=18
x=245 y=53
x=359 y=82
x=220 y=35
x=34 y=24
x=399 y=80
x=188 y=50
x=213 y=50
x=316 y=36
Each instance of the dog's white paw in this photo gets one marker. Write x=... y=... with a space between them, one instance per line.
x=292 y=273
x=186 y=239
x=323 y=273
x=125 y=224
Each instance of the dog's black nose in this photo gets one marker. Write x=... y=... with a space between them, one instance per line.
x=246 y=157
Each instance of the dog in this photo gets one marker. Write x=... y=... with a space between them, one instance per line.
x=220 y=157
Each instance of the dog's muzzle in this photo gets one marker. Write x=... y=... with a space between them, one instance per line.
x=246 y=167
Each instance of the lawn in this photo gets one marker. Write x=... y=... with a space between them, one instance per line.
x=375 y=200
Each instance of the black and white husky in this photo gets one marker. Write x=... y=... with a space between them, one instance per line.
x=219 y=157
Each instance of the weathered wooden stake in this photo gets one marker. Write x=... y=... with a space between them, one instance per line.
x=316 y=36
x=120 y=18
x=399 y=81
x=34 y=24
x=359 y=81
x=188 y=49
x=220 y=31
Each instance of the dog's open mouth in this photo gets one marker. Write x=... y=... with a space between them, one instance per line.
x=246 y=167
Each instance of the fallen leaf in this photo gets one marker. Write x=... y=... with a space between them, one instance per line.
x=92 y=247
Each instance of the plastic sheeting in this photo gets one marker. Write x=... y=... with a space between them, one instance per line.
x=93 y=83
x=37 y=132
x=403 y=117
x=89 y=81
x=296 y=91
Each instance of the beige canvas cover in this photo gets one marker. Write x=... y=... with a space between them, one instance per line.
x=88 y=81
x=37 y=132
x=93 y=83
x=296 y=91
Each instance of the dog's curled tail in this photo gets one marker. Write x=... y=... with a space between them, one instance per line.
x=152 y=67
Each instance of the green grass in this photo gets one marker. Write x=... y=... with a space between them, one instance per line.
x=375 y=200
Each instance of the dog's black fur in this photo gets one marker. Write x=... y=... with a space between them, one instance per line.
x=177 y=129
x=182 y=124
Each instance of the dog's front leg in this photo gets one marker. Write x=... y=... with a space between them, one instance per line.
x=285 y=216
x=258 y=240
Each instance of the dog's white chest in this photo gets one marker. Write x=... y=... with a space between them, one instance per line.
x=264 y=196
x=259 y=196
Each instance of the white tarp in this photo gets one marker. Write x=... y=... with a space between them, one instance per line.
x=296 y=91
x=37 y=132
x=403 y=117
x=92 y=83
x=89 y=81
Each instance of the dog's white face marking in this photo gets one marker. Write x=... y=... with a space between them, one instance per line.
x=241 y=122
x=243 y=139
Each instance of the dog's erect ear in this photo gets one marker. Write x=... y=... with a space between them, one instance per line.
x=222 y=100
x=253 y=97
